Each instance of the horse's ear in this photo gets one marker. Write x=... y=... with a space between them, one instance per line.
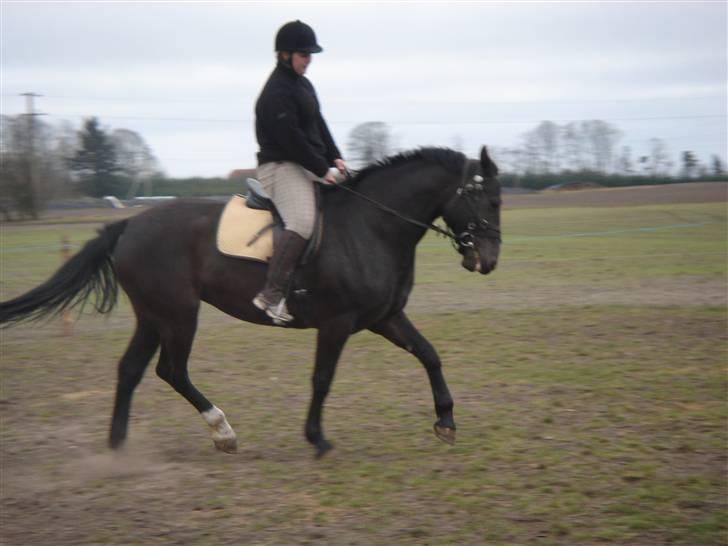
x=490 y=170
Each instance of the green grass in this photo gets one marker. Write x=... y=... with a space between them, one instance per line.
x=588 y=374
x=554 y=246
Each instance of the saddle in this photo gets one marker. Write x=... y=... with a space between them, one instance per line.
x=250 y=224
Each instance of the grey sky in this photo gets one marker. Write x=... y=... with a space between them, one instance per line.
x=186 y=75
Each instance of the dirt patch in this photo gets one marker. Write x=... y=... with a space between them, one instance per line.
x=575 y=424
x=661 y=292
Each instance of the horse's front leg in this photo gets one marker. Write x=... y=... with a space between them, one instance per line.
x=330 y=342
x=400 y=331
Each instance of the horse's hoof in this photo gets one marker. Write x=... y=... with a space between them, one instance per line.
x=322 y=448
x=446 y=434
x=227 y=445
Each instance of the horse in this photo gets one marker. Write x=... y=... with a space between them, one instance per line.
x=166 y=261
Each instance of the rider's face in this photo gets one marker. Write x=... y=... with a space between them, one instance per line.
x=300 y=62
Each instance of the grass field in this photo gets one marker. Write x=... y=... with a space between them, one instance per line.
x=588 y=371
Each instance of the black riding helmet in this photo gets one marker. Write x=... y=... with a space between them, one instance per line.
x=297 y=36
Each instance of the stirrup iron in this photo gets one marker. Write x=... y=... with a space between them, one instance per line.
x=279 y=313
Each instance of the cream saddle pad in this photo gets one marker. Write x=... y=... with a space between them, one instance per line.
x=244 y=232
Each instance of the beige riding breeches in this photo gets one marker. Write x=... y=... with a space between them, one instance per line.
x=290 y=186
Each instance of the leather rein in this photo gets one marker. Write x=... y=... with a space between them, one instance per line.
x=462 y=241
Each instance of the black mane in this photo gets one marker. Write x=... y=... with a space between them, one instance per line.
x=450 y=159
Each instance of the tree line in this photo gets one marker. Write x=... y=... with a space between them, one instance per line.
x=592 y=148
x=576 y=152
x=42 y=162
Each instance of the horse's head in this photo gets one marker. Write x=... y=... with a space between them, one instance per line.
x=473 y=214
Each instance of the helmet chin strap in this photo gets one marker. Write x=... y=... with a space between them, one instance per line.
x=288 y=62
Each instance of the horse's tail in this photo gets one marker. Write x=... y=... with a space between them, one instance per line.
x=88 y=273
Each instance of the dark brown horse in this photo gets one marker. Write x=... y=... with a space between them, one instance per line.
x=166 y=261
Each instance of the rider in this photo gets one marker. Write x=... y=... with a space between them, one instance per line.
x=296 y=151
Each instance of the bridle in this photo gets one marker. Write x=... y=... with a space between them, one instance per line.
x=477 y=226
x=467 y=189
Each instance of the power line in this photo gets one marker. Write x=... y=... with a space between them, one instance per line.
x=405 y=122
x=415 y=122
x=137 y=99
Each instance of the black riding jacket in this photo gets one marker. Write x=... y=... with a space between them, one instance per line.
x=289 y=125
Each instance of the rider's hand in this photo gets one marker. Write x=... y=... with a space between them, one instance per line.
x=341 y=166
x=330 y=178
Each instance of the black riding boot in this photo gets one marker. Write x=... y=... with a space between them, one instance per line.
x=286 y=252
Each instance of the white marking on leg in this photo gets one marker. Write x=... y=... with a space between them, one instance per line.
x=221 y=429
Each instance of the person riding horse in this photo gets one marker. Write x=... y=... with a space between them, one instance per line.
x=296 y=151
x=167 y=261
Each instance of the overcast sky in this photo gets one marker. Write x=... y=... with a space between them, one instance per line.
x=186 y=75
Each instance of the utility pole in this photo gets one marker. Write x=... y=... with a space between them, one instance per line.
x=32 y=182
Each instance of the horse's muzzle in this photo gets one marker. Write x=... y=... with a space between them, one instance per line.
x=473 y=261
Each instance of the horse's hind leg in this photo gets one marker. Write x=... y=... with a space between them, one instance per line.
x=177 y=340
x=400 y=331
x=142 y=347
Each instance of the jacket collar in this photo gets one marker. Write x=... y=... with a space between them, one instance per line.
x=287 y=70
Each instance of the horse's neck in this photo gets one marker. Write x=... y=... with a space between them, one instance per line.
x=372 y=235
x=417 y=193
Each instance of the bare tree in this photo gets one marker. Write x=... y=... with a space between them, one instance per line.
x=369 y=142
x=659 y=162
x=531 y=154
x=63 y=148
x=544 y=141
x=624 y=162
x=508 y=159
x=576 y=145
x=135 y=159
x=14 y=167
x=601 y=138
x=573 y=145
x=27 y=178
